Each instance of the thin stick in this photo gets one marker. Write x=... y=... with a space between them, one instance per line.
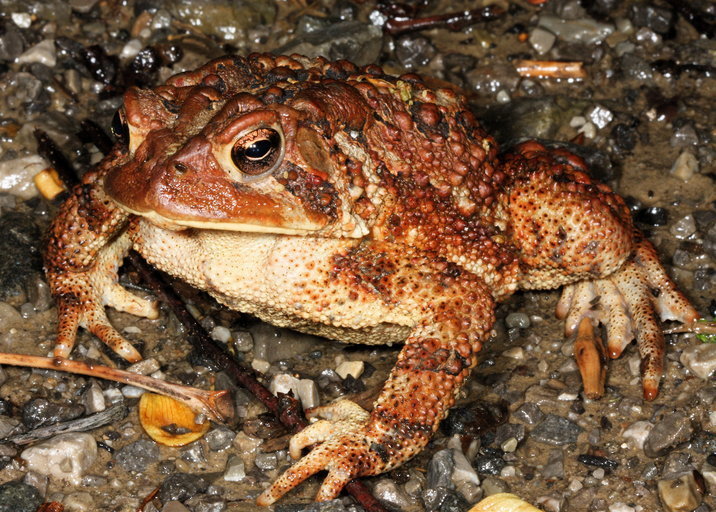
x=215 y=404
x=549 y=69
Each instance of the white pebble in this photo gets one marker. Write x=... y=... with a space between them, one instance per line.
x=463 y=470
x=516 y=353
x=260 y=365
x=542 y=40
x=685 y=165
x=353 y=368
x=637 y=432
x=589 y=130
x=700 y=359
x=567 y=397
x=600 y=116
x=131 y=49
x=221 y=333
x=145 y=366
x=16 y=175
x=21 y=19
x=577 y=121
x=65 y=456
x=621 y=507
x=303 y=389
x=132 y=392
x=43 y=52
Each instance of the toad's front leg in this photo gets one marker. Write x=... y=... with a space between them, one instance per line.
x=452 y=313
x=575 y=232
x=87 y=242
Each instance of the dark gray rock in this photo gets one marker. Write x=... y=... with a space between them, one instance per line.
x=659 y=19
x=19 y=497
x=673 y=429
x=352 y=40
x=489 y=462
x=556 y=430
x=19 y=246
x=413 y=51
x=554 y=468
x=12 y=42
x=220 y=438
x=40 y=411
x=440 y=469
x=529 y=413
x=138 y=455
x=181 y=487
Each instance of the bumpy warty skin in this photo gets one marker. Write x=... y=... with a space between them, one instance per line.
x=364 y=207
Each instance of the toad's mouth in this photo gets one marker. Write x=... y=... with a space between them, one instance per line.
x=255 y=226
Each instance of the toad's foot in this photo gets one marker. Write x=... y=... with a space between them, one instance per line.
x=347 y=449
x=82 y=296
x=627 y=303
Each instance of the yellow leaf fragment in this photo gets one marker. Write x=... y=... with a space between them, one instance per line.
x=168 y=421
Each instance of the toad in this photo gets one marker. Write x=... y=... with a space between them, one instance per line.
x=364 y=207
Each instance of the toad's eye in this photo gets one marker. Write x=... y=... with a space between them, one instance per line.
x=120 y=128
x=257 y=152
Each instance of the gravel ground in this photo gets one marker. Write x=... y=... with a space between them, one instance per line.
x=644 y=118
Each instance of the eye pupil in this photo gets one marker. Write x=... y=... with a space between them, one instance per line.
x=259 y=149
x=257 y=152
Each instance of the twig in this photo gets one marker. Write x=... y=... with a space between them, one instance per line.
x=590 y=355
x=215 y=404
x=452 y=21
x=707 y=327
x=111 y=415
x=549 y=69
x=147 y=499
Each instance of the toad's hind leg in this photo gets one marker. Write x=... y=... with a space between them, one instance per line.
x=575 y=232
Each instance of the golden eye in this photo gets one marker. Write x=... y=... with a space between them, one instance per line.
x=120 y=128
x=257 y=152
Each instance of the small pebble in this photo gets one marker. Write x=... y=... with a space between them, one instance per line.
x=353 y=368
x=637 y=433
x=235 y=469
x=556 y=430
x=685 y=166
x=221 y=333
x=621 y=507
x=145 y=366
x=266 y=461
x=181 y=487
x=700 y=359
x=673 y=429
x=681 y=494
x=65 y=456
x=19 y=497
x=541 y=40
x=43 y=53
x=137 y=456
